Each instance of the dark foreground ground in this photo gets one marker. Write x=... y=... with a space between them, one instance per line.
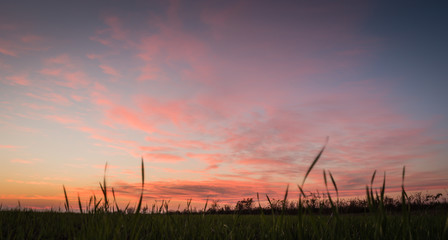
x=55 y=225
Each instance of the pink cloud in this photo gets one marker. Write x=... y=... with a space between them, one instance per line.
x=77 y=98
x=97 y=134
x=38 y=107
x=21 y=161
x=74 y=80
x=66 y=120
x=111 y=140
x=18 y=80
x=109 y=70
x=24 y=196
x=155 y=148
x=221 y=18
x=9 y=147
x=61 y=60
x=50 y=97
x=149 y=72
x=227 y=191
x=51 y=71
x=102 y=138
x=162 y=157
x=128 y=118
x=258 y=162
x=182 y=143
x=115 y=32
x=30 y=182
x=116 y=27
x=93 y=56
x=101 y=40
x=99 y=87
x=4 y=65
x=100 y=99
x=108 y=166
x=278 y=141
x=212 y=159
x=14 y=45
x=8 y=52
x=171 y=46
x=31 y=38
x=8 y=26
x=172 y=110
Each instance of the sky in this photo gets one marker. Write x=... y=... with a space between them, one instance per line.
x=222 y=99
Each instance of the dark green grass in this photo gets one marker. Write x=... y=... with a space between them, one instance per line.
x=55 y=225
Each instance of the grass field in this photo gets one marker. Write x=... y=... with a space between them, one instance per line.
x=54 y=225
x=376 y=217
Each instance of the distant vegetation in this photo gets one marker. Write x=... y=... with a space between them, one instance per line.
x=312 y=216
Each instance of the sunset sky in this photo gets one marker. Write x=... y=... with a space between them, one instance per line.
x=222 y=99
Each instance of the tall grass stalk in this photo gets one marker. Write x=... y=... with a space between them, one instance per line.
x=67 y=204
x=314 y=162
x=79 y=204
x=143 y=187
x=104 y=190
x=115 y=200
x=377 y=207
x=406 y=228
x=301 y=209
x=335 y=188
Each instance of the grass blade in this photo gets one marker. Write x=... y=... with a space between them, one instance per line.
x=188 y=204
x=126 y=208
x=115 y=200
x=285 y=198
x=402 y=177
x=383 y=187
x=143 y=186
x=301 y=190
x=334 y=184
x=143 y=174
x=270 y=203
x=259 y=204
x=371 y=187
x=79 y=203
x=205 y=207
x=67 y=205
x=104 y=189
x=325 y=178
x=314 y=161
x=369 y=202
x=97 y=205
x=373 y=178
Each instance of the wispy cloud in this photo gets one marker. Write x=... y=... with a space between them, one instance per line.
x=109 y=70
x=51 y=97
x=22 y=161
x=63 y=119
x=18 y=80
x=162 y=157
x=10 y=147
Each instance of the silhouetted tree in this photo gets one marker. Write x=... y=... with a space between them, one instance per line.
x=244 y=205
